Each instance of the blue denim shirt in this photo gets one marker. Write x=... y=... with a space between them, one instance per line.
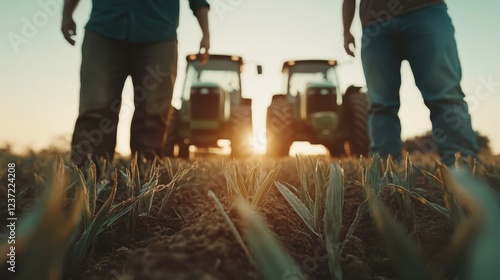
x=140 y=21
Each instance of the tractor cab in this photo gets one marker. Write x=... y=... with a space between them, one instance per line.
x=212 y=108
x=313 y=110
x=211 y=90
x=312 y=85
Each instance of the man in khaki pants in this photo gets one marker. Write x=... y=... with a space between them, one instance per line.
x=136 y=38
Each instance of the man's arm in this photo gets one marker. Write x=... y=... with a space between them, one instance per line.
x=202 y=16
x=348 y=10
x=68 y=26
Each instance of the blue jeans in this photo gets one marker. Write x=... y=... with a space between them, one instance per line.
x=425 y=38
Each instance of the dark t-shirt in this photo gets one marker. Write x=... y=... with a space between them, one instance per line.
x=374 y=11
x=140 y=21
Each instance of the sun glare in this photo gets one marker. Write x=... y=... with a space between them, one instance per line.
x=259 y=146
x=305 y=148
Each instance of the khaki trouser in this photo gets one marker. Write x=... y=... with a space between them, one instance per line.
x=106 y=64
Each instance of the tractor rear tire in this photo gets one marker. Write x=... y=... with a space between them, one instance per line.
x=183 y=149
x=280 y=127
x=241 y=131
x=355 y=114
x=337 y=149
x=172 y=132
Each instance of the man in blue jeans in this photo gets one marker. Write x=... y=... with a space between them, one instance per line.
x=421 y=32
x=122 y=38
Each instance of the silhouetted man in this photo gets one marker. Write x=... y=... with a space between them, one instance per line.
x=421 y=32
x=122 y=38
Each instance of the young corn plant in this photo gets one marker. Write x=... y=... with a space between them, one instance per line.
x=232 y=227
x=305 y=166
x=450 y=197
x=481 y=226
x=47 y=230
x=326 y=207
x=473 y=248
x=406 y=183
x=248 y=192
x=311 y=176
x=272 y=260
x=370 y=179
x=333 y=219
x=472 y=240
x=405 y=190
x=139 y=181
x=404 y=187
x=173 y=186
x=254 y=187
x=401 y=249
x=108 y=214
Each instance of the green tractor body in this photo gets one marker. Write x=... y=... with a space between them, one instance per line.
x=204 y=114
x=313 y=110
x=212 y=108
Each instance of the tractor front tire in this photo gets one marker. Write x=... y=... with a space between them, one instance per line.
x=280 y=127
x=355 y=114
x=172 y=131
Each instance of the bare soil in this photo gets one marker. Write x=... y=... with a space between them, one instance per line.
x=190 y=240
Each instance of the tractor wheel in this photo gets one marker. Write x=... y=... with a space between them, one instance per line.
x=172 y=131
x=337 y=149
x=280 y=124
x=355 y=114
x=241 y=131
x=183 y=149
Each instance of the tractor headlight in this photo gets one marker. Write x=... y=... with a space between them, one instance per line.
x=204 y=91
x=324 y=91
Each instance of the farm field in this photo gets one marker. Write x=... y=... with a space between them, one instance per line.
x=210 y=218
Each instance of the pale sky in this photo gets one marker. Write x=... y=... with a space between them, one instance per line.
x=39 y=72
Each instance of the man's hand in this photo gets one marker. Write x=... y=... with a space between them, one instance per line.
x=348 y=10
x=68 y=29
x=203 y=54
x=68 y=26
x=348 y=42
x=202 y=16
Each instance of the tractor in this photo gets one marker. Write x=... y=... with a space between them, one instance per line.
x=212 y=108
x=313 y=110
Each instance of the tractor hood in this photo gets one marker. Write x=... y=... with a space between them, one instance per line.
x=325 y=124
x=209 y=105
x=318 y=97
x=198 y=85
x=319 y=85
